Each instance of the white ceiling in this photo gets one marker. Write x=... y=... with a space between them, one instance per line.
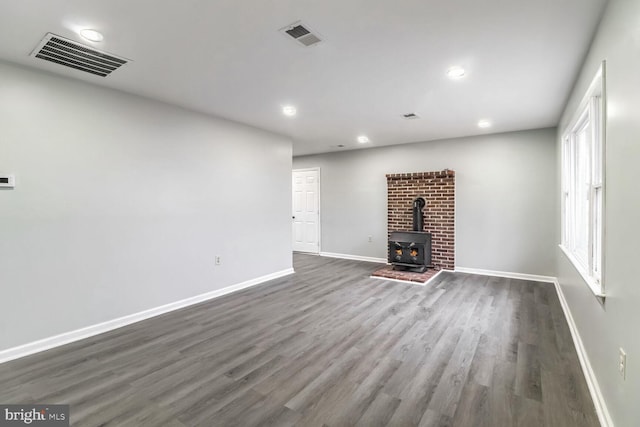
x=378 y=60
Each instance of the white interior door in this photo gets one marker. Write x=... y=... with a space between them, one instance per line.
x=306 y=210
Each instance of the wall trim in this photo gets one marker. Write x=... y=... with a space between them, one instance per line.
x=597 y=290
x=109 y=325
x=592 y=382
x=507 y=274
x=354 y=257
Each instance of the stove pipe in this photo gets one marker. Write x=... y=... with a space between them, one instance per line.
x=418 y=222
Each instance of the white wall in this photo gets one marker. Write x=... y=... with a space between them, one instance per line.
x=122 y=203
x=505 y=197
x=606 y=327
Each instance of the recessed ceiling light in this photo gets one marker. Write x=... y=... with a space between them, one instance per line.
x=92 y=35
x=289 y=110
x=484 y=124
x=363 y=139
x=455 y=72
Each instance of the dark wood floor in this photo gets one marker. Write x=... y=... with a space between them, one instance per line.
x=327 y=346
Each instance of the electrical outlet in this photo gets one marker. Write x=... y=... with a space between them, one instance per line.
x=622 y=363
x=218 y=261
x=370 y=239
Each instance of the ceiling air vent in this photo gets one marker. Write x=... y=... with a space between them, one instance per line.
x=71 y=54
x=411 y=116
x=301 y=33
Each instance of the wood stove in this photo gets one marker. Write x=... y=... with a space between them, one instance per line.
x=411 y=250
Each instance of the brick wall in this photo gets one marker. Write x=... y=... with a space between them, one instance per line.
x=438 y=189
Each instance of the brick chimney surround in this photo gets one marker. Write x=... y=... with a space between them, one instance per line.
x=438 y=189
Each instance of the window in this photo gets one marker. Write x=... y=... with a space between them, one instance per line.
x=583 y=186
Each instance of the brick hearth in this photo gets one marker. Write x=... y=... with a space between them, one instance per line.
x=388 y=272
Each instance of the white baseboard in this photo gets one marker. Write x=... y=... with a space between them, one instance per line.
x=89 y=331
x=354 y=257
x=594 y=388
x=507 y=274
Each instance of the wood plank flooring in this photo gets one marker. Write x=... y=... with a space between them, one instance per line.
x=327 y=346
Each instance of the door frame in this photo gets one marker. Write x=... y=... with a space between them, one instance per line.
x=319 y=222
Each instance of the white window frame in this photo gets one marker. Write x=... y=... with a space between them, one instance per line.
x=589 y=119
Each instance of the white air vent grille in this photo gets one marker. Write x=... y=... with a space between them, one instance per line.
x=301 y=33
x=66 y=52
x=297 y=31
x=411 y=116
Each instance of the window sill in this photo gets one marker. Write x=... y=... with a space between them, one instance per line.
x=595 y=287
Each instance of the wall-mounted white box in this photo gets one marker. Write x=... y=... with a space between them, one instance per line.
x=7 y=181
